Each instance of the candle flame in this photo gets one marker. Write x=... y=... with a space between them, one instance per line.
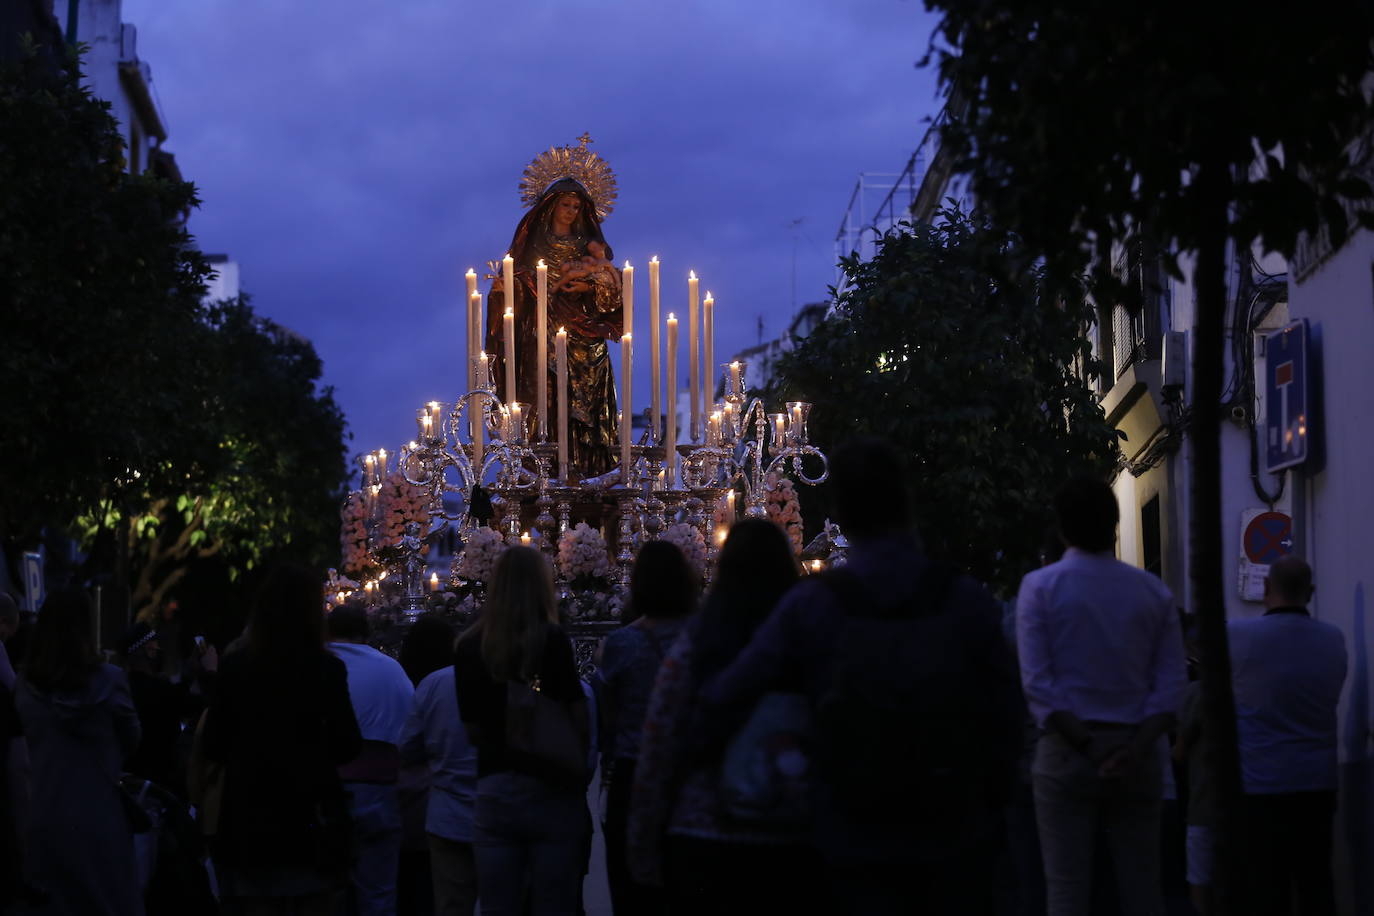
x=414 y=446
x=672 y=317
x=381 y=452
x=475 y=294
x=562 y=330
x=510 y=313
x=508 y=257
x=482 y=355
x=625 y=337
x=541 y=264
x=471 y=272
x=691 y=275
x=627 y=264
x=709 y=297
x=654 y=259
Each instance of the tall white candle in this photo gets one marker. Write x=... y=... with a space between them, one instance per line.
x=508 y=331
x=655 y=366
x=541 y=349
x=626 y=406
x=381 y=462
x=479 y=411
x=694 y=354
x=670 y=382
x=508 y=281
x=627 y=291
x=474 y=346
x=736 y=388
x=560 y=350
x=517 y=422
x=708 y=336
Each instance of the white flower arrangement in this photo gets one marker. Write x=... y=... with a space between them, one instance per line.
x=353 y=536
x=784 y=509
x=480 y=552
x=402 y=503
x=582 y=553
x=690 y=541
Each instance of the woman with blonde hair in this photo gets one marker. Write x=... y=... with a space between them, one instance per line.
x=523 y=706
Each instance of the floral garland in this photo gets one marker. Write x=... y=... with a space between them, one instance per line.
x=353 y=536
x=690 y=541
x=582 y=554
x=482 y=548
x=402 y=503
x=784 y=509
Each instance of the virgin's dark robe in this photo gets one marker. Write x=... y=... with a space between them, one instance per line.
x=591 y=318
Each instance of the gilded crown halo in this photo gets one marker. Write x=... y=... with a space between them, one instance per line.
x=575 y=162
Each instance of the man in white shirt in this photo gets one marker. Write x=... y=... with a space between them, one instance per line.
x=1102 y=667
x=1288 y=670
x=382 y=696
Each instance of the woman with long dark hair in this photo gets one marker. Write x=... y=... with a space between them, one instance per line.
x=81 y=726
x=281 y=723
x=713 y=864
x=531 y=821
x=663 y=591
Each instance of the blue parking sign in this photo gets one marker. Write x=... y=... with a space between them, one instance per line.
x=1288 y=420
x=33 y=581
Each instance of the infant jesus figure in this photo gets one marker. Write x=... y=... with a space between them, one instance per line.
x=577 y=274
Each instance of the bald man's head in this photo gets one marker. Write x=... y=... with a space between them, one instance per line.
x=1289 y=583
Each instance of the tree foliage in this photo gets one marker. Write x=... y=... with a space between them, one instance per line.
x=100 y=285
x=946 y=345
x=1083 y=124
x=155 y=429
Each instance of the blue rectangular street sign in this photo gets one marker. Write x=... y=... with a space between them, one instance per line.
x=1287 y=396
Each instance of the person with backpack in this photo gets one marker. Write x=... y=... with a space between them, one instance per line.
x=663 y=591
x=917 y=711
x=680 y=832
x=522 y=705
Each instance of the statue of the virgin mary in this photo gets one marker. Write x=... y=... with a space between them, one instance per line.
x=569 y=190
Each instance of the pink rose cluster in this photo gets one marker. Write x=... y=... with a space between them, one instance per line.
x=784 y=509
x=480 y=551
x=690 y=541
x=353 y=535
x=402 y=503
x=582 y=552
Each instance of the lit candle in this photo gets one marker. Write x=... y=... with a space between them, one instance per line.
x=508 y=328
x=508 y=281
x=472 y=327
x=517 y=423
x=475 y=345
x=670 y=382
x=525 y=539
x=541 y=348
x=626 y=411
x=730 y=505
x=369 y=469
x=627 y=294
x=694 y=352
x=655 y=394
x=434 y=582
x=736 y=382
x=381 y=462
x=713 y=432
x=779 y=431
x=426 y=427
x=796 y=410
x=560 y=349
x=708 y=336
x=728 y=409
x=479 y=411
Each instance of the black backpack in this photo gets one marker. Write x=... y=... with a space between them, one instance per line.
x=902 y=727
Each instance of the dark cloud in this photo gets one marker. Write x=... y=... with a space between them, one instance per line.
x=356 y=158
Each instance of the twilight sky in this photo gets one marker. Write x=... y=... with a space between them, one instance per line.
x=356 y=158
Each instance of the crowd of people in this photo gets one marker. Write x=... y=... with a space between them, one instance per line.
x=882 y=738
